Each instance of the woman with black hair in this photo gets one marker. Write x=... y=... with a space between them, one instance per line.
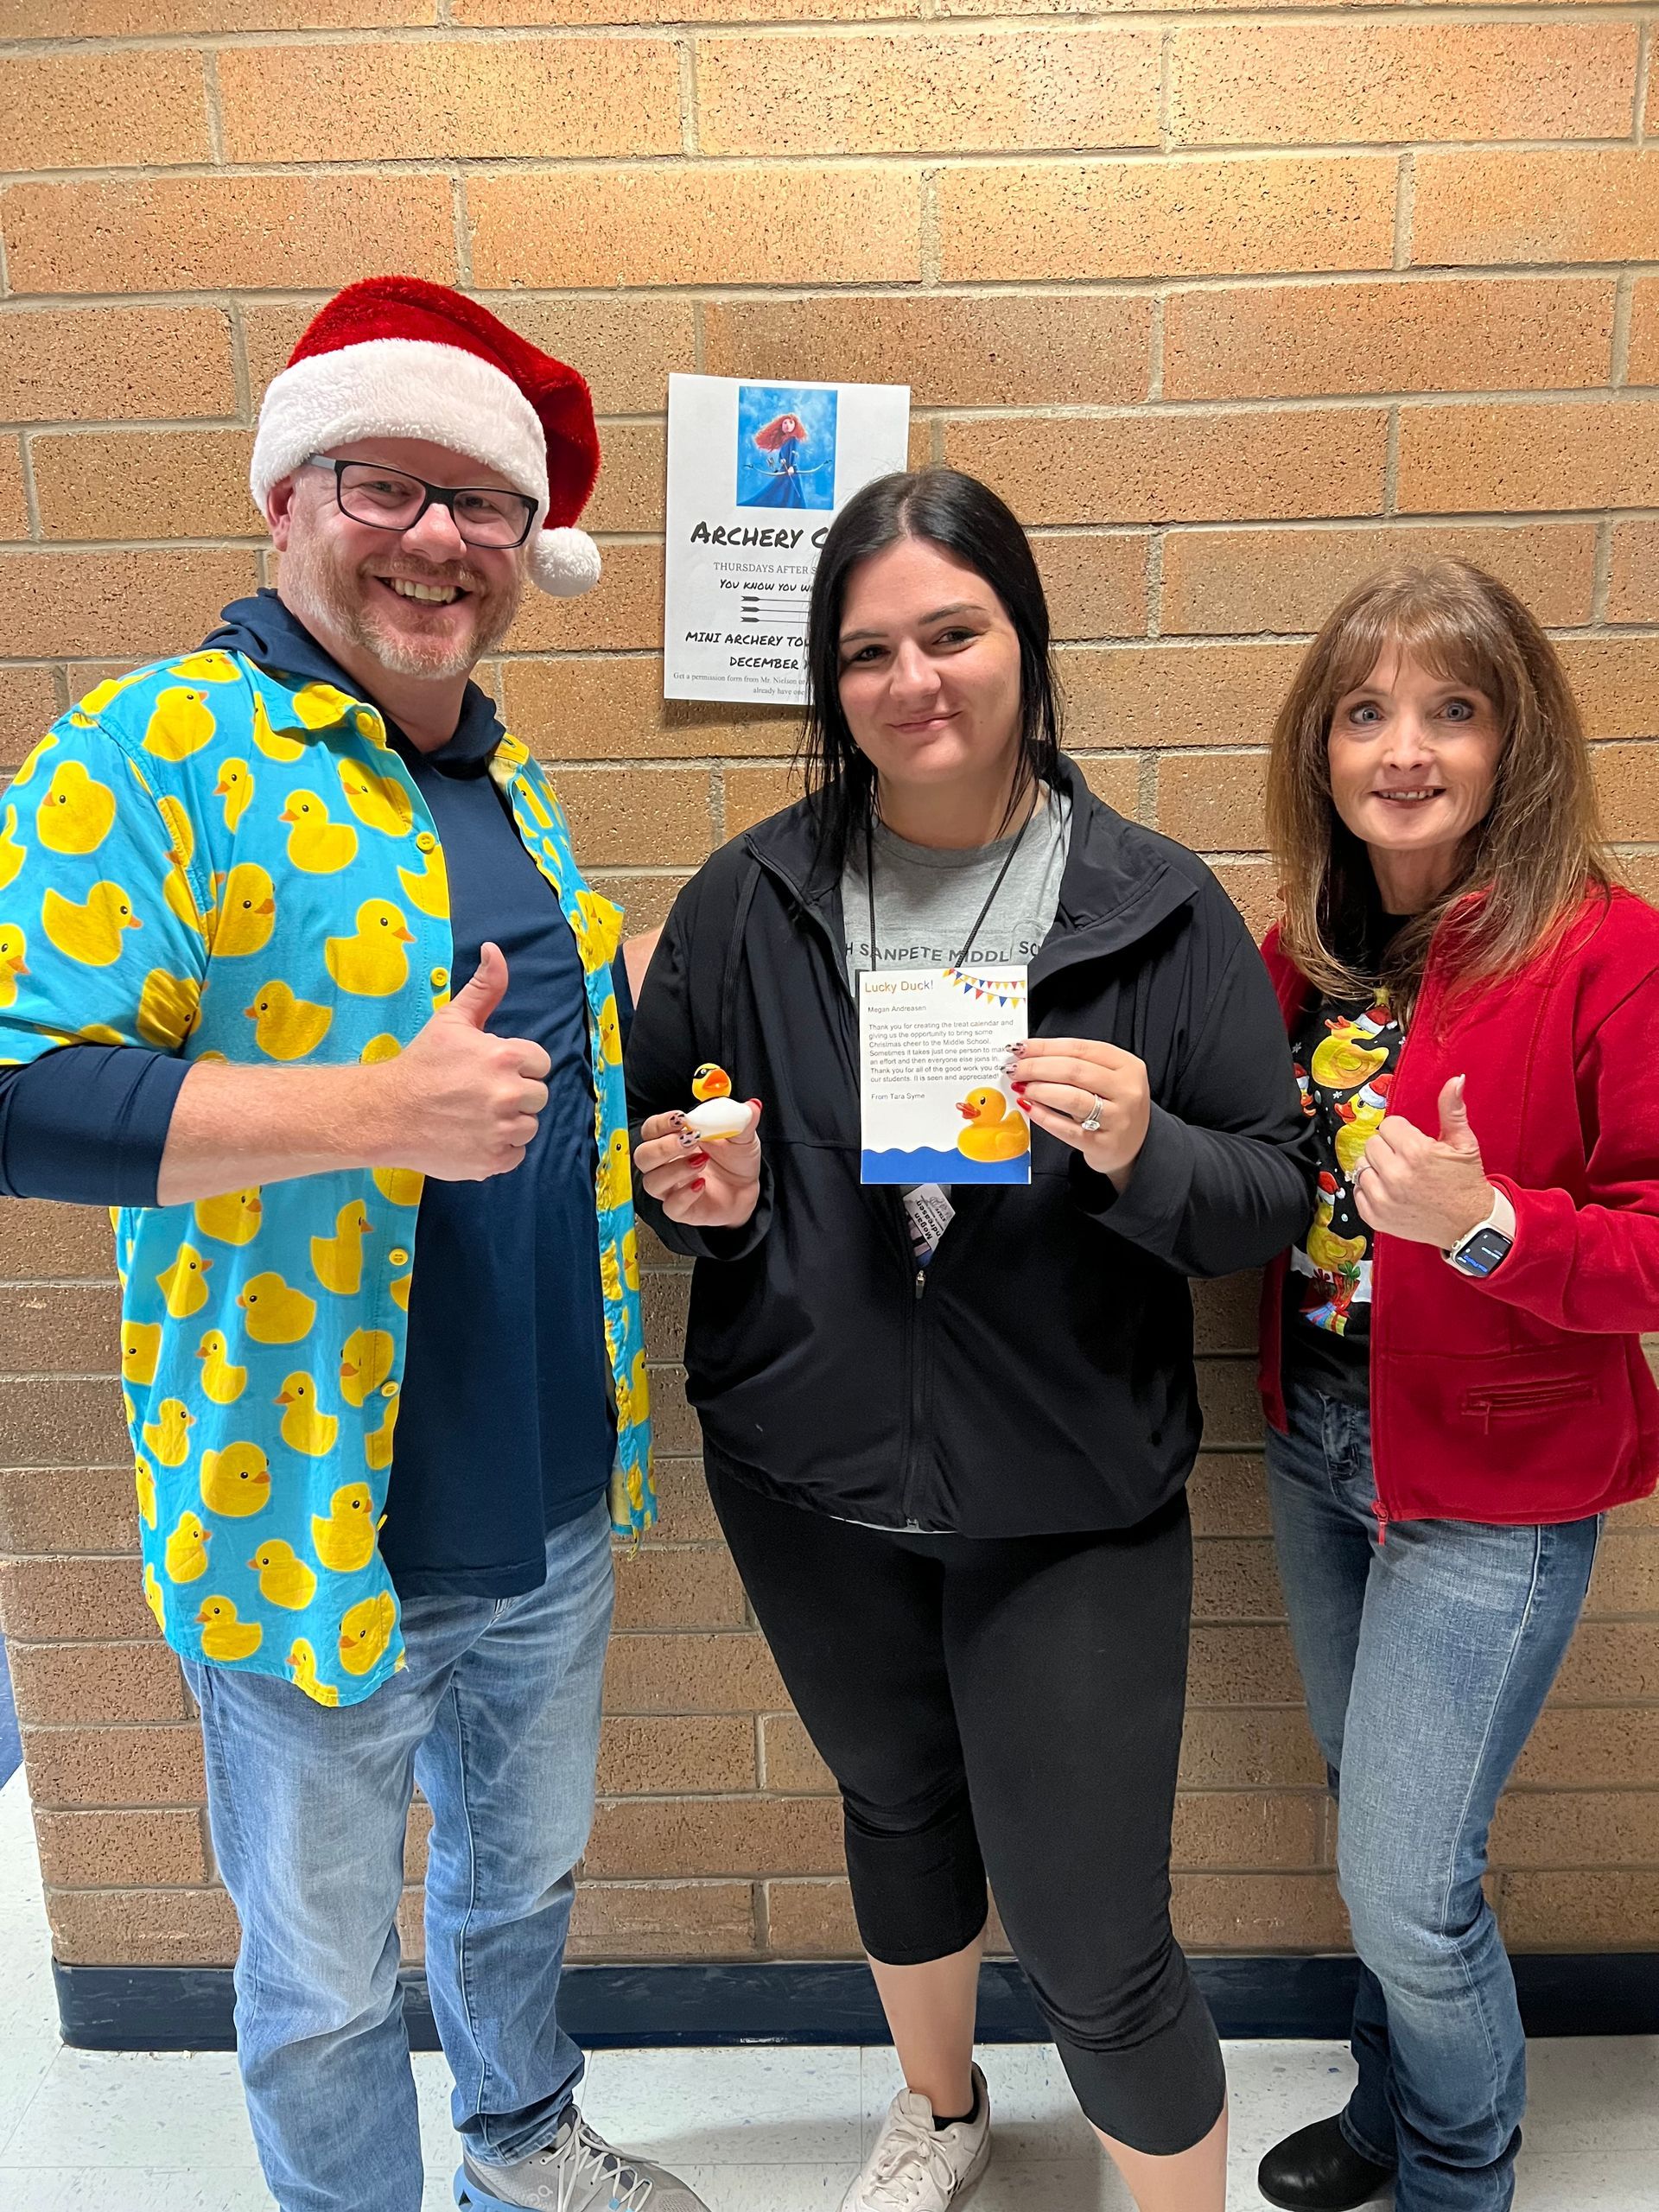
x=950 y=1459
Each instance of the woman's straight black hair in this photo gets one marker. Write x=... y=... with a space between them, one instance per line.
x=962 y=516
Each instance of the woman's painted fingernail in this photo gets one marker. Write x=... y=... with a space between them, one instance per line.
x=698 y=1185
x=1018 y=1089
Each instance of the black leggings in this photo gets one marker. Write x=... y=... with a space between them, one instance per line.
x=1015 y=1705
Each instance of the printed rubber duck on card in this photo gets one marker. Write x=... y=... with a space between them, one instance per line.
x=995 y=1131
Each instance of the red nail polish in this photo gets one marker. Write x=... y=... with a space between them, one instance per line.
x=698 y=1185
x=1019 y=1088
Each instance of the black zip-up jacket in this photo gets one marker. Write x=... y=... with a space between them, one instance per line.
x=1038 y=1378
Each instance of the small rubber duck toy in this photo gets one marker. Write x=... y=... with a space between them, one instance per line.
x=717 y=1115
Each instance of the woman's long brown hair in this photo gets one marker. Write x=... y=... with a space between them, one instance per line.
x=1535 y=854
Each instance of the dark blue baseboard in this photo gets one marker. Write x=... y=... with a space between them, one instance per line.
x=189 y=2008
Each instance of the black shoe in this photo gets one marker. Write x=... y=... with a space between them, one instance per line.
x=1317 y=2170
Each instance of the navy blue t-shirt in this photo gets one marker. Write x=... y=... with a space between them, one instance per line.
x=507 y=1426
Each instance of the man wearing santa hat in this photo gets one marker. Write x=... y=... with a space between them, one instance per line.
x=354 y=1198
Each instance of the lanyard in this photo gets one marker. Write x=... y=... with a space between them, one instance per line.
x=990 y=900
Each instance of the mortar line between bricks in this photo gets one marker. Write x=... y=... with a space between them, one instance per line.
x=685 y=46
x=460 y=228
x=1391 y=466
x=1601 y=581
x=212 y=105
x=826 y=160
x=445 y=32
x=31 y=494
x=1405 y=199
x=719 y=292
x=1643 y=68
x=1619 y=353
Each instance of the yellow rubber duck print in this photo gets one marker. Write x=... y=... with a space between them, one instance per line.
x=235 y=1482
x=220 y=1382
x=181 y=901
x=153 y=1598
x=372 y=964
x=366 y=1631
x=345 y=1541
x=1343 y=1061
x=92 y=933
x=224 y=1637
x=284 y=1577
x=179 y=828
x=302 y=1666
x=13 y=946
x=181 y=724
x=633 y=1393
x=277 y=1313
x=630 y=1258
x=598 y=930
x=398 y=1287
x=235 y=787
x=1360 y=1123
x=316 y=845
x=427 y=887
x=247 y=912
x=86 y=711
x=184 y=1284
x=402 y=1186
x=610 y=1033
x=168 y=1439
x=337 y=1261
x=378 y=802
x=170 y=1007
x=993 y=1132
x=12 y=854
x=612 y=1182
x=319 y=704
x=1330 y=1254
x=304 y=1430
x=364 y=1362
x=286 y=1028
x=143 y=1482
x=185 y=1555
x=610 y=1273
x=76 y=812
x=233 y=1218
x=379 y=1049
x=206 y=668
x=141 y=1347
x=273 y=747
x=377 y=1442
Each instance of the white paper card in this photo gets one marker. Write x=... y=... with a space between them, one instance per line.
x=756 y=474
x=937 y=1105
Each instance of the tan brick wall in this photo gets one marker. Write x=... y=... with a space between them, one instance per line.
x=1232 y=310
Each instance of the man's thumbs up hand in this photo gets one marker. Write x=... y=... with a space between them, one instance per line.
x=460 y=1104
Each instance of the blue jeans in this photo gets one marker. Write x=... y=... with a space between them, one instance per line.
x=1426 y=1661
x=496 y=1715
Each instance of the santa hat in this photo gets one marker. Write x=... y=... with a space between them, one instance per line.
x=395 y=357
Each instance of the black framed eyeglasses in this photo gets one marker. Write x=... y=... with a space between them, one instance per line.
x=387 y=498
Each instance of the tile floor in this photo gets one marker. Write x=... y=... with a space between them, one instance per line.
x=754 y=2131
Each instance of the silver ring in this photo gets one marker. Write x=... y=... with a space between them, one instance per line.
x=1091 y=1119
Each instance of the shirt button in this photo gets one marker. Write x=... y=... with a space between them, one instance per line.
x=398 y=1257
x=426 y=842
x=440 y=977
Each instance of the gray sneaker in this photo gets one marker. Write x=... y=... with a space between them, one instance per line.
x=577 y=2172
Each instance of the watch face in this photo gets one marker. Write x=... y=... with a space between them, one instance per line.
x=1484 y=1251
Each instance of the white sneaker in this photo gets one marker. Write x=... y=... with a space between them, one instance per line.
x=916 y=2167
x=579 y=2171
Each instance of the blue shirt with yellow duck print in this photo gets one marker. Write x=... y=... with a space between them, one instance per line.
x=224 y=861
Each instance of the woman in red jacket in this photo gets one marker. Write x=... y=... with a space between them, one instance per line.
x=1454 y=1381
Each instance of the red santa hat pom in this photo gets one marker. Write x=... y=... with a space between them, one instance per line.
x=395 y=357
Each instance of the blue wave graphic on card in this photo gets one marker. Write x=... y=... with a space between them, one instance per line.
x=925 y=1165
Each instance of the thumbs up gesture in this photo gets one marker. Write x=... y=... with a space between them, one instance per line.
x=1428 y=1190
x=460 y=1104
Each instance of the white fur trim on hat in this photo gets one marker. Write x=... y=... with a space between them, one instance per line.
x=399 y=388
x=564 y=562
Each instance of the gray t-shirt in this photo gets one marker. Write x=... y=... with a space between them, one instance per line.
x=926 y=899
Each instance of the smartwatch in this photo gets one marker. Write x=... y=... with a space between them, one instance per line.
x=1486 y=1247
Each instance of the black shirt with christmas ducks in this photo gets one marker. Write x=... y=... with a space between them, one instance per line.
x=1345 y=1054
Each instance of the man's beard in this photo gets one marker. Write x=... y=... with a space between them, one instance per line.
x=314 y=587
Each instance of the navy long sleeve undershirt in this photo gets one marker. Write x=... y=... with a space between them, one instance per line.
x=87 y=1124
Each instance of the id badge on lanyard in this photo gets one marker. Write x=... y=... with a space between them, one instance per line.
x=935 y=1102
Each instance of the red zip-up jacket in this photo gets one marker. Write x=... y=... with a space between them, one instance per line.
x=1524 y=1397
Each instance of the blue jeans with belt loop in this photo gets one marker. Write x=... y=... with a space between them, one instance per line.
x=1426 y=1661
x=496 y=1713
